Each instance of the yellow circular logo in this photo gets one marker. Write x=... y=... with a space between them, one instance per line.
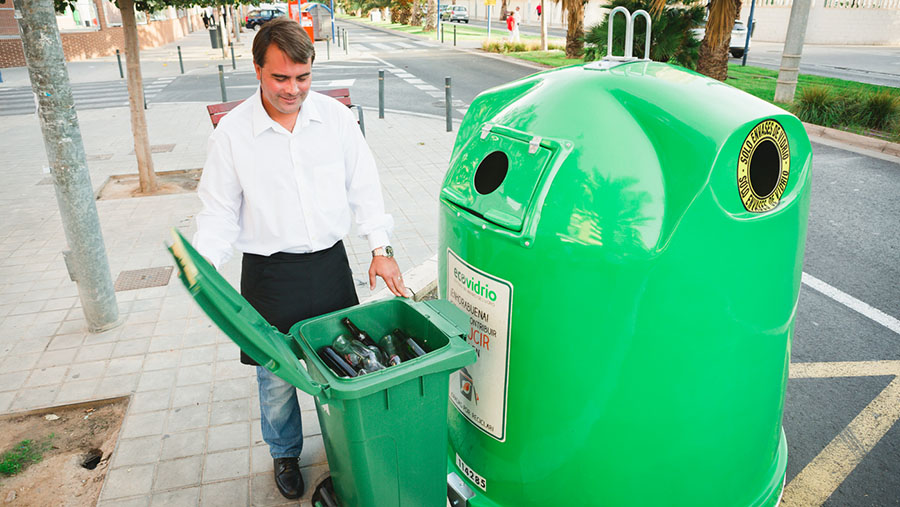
x=763 y=167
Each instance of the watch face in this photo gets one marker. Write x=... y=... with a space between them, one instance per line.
x=389 y=251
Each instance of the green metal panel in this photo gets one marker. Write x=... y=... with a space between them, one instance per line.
x=650 y=323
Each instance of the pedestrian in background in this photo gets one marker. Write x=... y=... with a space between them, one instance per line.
x=539 y=11
x=517 y=18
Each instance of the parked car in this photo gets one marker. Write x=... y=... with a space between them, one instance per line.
x=458 y=13
x=258 y=18
x=738 y=37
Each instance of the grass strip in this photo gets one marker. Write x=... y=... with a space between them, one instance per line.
x=25 y=453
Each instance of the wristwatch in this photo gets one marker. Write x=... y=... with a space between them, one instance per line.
x=386 y=251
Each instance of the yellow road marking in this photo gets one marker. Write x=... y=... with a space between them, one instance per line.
x=822 y=476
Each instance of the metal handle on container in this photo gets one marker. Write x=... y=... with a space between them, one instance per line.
x=629 y=35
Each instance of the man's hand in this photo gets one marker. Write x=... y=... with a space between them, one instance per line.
x=387 y=269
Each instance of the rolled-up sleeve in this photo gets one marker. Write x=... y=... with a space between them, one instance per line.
x=363 y=186
x=220 y=193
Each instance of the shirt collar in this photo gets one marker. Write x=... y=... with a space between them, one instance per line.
x=262 y=120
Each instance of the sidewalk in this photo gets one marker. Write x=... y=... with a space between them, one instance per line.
x=191 y=433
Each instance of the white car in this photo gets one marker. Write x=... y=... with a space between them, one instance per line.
x=738 y=37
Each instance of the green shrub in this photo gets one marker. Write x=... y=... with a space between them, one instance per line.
x=818 y=105
x=671 y=39
x=879 y=111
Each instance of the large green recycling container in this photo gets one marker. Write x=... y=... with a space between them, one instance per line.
x=385 y=433
x=628 y=241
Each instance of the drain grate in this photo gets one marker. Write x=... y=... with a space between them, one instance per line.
x=143 y=278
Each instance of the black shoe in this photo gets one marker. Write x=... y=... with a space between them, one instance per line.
x=288 y=478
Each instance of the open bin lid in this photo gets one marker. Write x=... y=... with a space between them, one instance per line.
x=241 y=322
x=514 y=158
x=279 y=352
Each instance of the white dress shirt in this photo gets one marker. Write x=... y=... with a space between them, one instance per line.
x=266 y=190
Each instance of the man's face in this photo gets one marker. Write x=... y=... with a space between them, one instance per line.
x=284 y=83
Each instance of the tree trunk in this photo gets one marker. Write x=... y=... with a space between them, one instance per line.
x=136 y=98
x=503 y=12
x=235 y=25
x=415 y=17
x=87 y=261
x=713 y=61
x=575 y=30
x=543 y=27
x=431 y=16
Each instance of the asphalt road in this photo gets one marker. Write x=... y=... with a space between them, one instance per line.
x=843 y=400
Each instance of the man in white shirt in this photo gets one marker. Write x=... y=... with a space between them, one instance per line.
x=517 y=18
x=284 y=171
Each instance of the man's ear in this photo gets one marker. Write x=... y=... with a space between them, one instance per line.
x=258 y=72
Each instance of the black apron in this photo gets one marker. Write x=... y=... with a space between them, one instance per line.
x=286 y=288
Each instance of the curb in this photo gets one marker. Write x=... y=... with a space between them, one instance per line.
x=856 y=140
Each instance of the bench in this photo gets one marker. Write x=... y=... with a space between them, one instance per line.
x=218 y=111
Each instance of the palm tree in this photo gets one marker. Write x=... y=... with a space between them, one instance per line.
x=713 y=55
x=575 y=27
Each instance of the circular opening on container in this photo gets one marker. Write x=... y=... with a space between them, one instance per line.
x=765 y=166
x=491 y=172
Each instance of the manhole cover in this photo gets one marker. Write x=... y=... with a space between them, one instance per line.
x=143 y=278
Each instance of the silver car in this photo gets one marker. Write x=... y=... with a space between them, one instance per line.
x=458 y=13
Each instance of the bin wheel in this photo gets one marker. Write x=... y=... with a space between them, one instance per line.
x=324 y=494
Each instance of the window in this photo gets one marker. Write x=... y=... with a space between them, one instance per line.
x=82 y=17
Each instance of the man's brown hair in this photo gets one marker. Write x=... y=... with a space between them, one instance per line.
x=288 y=36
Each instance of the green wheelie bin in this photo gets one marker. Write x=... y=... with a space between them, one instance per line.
x=385 y=433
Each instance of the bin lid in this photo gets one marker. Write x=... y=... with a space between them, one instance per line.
x=240 y=321
x=514 y=159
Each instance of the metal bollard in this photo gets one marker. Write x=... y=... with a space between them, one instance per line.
x=442 y=33
x=180 y=60
x=144 y=95
x=233 y=63
x=345 y=42
x=328 y=47
x=381 y=93
x=362 y=121
x=222 y=83
x=119 y=58
x=448 y=100
x=454 y=35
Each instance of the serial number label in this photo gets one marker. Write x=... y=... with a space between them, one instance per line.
x=468 y=472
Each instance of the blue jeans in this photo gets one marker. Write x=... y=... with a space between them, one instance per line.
x=282 y=427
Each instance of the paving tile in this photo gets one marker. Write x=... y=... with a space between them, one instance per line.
x=124 y=365
x=34 y=398
x=131 y=347
x=118 y=385
x=178 y=473
x=263 y=491
x=198 y=355
x=164 y=343
x=94 y=352
x=141 y=501
x=233 y=389
x=234 y=492
x=140 y=425
x=81 y=371
x=261 y=459
x=66 y=341
x=6 y=400
x=12 y=381
x=226 y=465
x=225 y=412
x=313 y=451
x=46 y=376
x=227 y=352
x=185 y=497
x=188 y=375
x=76 y=390
x=310 y=421
x=133 y=329
x=186 y=418
x=137 y=451
x=13 y=363
x=229 y=369
x=56 y=357
x=191 y=395
x=131 y=481
x=179 y=445
x=162 y=360
x=228 y=436
x=158 y=379
x=150 y=401
x=30 y=346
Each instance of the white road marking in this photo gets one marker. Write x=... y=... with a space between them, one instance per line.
x=824 y=474
x=852 y=303
x=425 y=87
